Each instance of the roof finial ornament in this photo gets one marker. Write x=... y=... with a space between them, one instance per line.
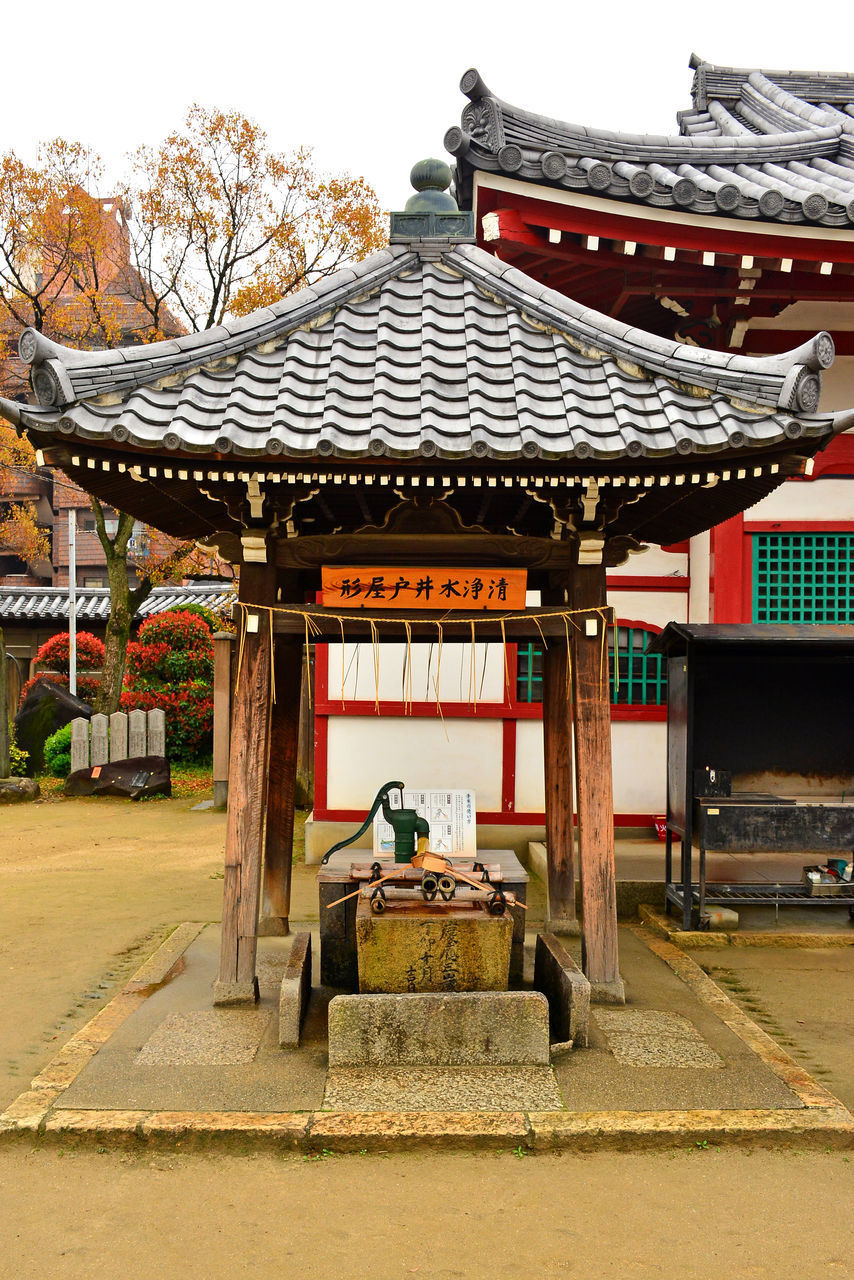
x=432 y=220
x=431 y=179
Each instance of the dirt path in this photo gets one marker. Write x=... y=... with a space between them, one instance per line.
x=803 y=998
x=614 y=1217
x=88 y=887
x=87 y=890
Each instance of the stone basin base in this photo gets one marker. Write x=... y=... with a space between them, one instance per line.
x=442 y=947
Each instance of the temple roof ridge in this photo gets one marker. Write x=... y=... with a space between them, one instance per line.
x=62 y=375
x=421 y=350
x=754 y=144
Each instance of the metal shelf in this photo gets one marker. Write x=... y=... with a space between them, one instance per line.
x=722 y=895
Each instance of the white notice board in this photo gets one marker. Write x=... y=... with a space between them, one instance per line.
x=452 y=816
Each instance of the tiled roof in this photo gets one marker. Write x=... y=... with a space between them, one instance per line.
x=50 y=604
x=772 y=145
x=426 y=349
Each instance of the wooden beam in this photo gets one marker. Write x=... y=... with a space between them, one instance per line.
x=281 y=786
x=246 y=781
x=223 y=643
x=527 y=624
x=557 y=759
x=594 y=786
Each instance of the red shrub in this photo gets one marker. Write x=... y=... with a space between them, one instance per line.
x=180 y=630
x=54 y=656
x=171 y=667
x=173 y=648
x=189 y=717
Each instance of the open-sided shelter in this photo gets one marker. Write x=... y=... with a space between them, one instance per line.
x=430 y=406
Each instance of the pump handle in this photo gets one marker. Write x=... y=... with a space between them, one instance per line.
x=381 y=798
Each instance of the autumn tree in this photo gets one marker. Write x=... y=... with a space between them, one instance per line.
x=170 y=562
x=224 y=225
x=62 y=253
x=21 y=536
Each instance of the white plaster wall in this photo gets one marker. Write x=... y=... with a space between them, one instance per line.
x=365 y=752
x=658 y=607
x=640 y=765
x=530 y=782
x=456 y=674
x=654 y=563
x=639 y=762
x=699 y=602
x=829 y=498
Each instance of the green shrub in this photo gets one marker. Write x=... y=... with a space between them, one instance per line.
x=18 y=757
x=57 y=753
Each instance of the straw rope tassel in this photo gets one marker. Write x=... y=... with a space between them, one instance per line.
x=244 y=617
x=375 y=641
x=407 y=670
x=568 y=661
x=272 y=663
x=472 y=672
x=617 y=654
x=436 y=680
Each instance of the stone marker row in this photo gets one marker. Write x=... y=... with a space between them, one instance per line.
x=118 y=737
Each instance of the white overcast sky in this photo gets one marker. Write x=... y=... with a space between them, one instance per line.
x=372 y=87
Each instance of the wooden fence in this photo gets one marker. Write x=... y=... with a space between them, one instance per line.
x=106 y=739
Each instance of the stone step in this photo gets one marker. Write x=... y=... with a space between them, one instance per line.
x=448 y=1029
x=512 y=1089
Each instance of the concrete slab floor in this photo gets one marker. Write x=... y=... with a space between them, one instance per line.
x=123 y=1075
x=596 y=1079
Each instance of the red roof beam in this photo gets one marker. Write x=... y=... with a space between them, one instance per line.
x=510 y=227
x=738 y=239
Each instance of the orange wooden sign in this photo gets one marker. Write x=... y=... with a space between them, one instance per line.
x=464 y=590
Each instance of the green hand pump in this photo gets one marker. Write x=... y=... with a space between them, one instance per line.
x=407 y=824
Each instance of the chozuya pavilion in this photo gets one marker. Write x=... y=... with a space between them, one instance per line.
x=431 y=406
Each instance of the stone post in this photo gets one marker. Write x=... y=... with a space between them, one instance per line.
x=157 y=732
x=100 y=748
x=136 y=735
x=223 y=641
x=118 y=736
x=79 y=744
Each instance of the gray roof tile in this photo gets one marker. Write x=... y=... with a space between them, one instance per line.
x=447 y=355
x=21 y=604
x=752 y=136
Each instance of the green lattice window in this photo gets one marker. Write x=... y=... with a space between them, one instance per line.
x=643 y=679
x=529 y=673
x=803 y=577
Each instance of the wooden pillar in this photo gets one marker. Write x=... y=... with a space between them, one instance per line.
x=557 y=759
x=223 y=641
x=594 y=786
x=246 y=785
x=305 y=746
x=281 y=787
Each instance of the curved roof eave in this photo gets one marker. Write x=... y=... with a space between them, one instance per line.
x=771 y=155
x=451 y=353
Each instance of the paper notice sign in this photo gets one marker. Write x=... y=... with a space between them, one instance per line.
x=452 y=816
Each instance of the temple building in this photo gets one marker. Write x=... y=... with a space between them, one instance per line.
x=430 y=415
x=733 y=235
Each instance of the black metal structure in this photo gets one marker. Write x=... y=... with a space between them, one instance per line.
x=760 y=753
